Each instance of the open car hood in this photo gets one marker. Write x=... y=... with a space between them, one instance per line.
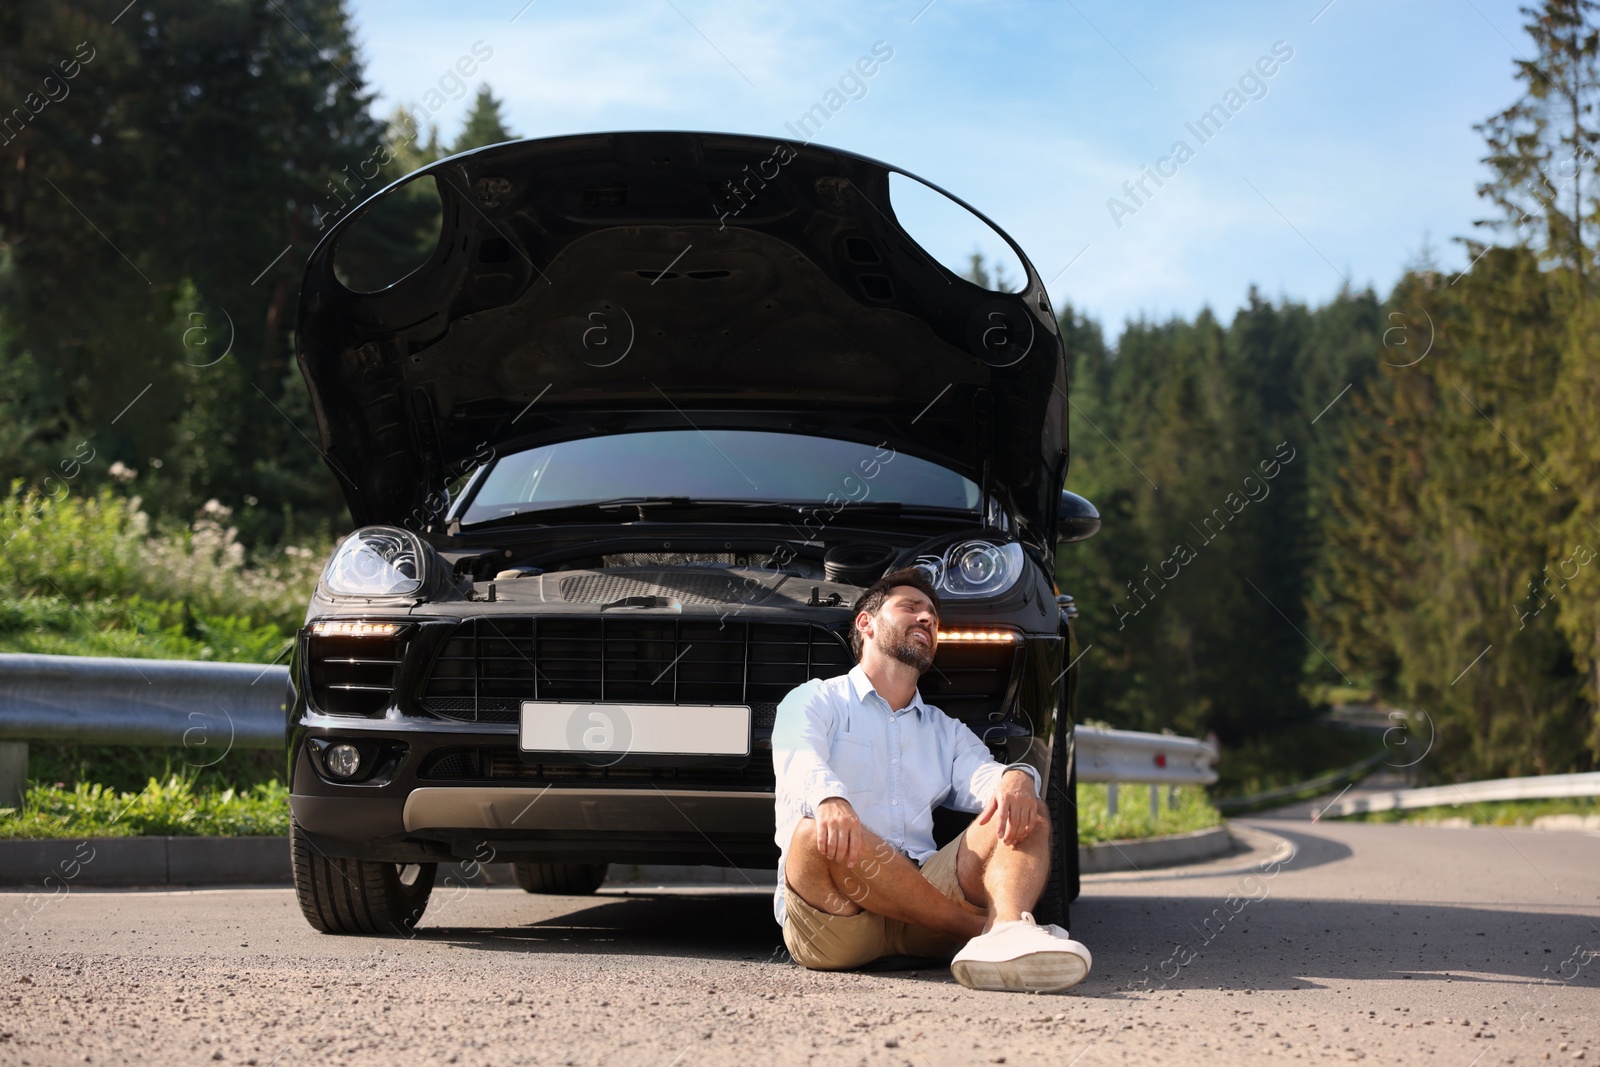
x=608 y=283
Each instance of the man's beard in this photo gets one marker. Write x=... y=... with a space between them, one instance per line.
x=898 y=643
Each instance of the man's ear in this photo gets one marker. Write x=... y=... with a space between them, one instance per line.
x=864 y=624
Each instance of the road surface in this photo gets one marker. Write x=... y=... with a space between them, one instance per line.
x=1386 y=943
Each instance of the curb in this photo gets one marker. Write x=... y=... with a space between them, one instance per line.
x=1138 y=854
x=1252 y=848
x=134 y=862
x=145 y=861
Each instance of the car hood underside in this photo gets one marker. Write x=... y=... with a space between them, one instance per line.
x=610 y=283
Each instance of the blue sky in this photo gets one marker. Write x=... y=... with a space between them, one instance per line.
x=1357 y=150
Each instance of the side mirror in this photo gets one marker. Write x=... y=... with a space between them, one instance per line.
x=1078 y=520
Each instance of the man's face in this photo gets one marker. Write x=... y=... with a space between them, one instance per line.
x=906 y=627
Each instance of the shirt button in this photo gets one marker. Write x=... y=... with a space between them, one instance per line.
x=894 y=802
x=894 y=761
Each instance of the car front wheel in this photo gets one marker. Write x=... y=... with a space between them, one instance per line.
x=1061 y=800
x=340 y=896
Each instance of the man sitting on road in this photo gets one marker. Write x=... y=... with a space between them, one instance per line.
x=861 y=763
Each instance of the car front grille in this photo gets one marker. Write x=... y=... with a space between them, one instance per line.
x=489 y=666
x=971 y=681
x=353 y=675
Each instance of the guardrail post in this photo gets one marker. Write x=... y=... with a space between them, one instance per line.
x=13 y=773
x=1155 y=802
x=1111 y=798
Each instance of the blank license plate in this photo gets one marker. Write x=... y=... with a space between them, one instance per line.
x=646 y=729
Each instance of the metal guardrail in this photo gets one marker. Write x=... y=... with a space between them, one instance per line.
x=208 y=708
x=1124 y=756
x=104 y=701
x=1159 y=759
x=1538 y=787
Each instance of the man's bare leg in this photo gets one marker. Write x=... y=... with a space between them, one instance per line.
x=1005 y=879
x=883 y=881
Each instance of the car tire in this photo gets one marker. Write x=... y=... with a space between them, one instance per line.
x=1069 y=835
x=1061 y=801
x=341 y=896
x=560 y=879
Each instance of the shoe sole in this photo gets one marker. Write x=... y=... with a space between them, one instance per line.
x=1035 y=972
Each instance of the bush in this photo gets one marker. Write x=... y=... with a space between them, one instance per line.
x=87 y=576
x=172 y=807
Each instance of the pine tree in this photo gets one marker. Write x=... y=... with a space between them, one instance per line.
x=206 y=170
x=1542 y=148
x=485 y=123
x=1439 y=533
x=1205 y=553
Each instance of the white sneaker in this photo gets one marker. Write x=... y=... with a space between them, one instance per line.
x=1022 y=956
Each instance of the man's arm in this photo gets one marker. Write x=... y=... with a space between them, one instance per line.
x=802 y=739
x=980 y=783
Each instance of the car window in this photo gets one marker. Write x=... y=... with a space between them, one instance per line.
x=713 y=465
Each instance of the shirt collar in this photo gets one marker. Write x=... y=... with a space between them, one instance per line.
x=861 y=685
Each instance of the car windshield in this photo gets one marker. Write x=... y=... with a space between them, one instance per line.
x=721 y=465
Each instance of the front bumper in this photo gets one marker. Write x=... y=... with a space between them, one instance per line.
x=439 y=789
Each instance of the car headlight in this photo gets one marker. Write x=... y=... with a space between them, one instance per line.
x=974 y=568
x=377 y=561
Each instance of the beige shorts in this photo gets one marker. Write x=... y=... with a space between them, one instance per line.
x=825 y=942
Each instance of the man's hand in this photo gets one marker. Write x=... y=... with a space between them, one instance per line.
x=839 y=832
x=1020 y=810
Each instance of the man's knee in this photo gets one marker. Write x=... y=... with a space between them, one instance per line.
x=983 y=839
x=810 y=875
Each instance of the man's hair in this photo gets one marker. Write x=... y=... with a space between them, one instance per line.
x=871 y=600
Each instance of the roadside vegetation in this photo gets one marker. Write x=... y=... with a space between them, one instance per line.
x=91 y=576
x=171 y=807
x=1193 y=811
x=1290 y=755
x=133 y=790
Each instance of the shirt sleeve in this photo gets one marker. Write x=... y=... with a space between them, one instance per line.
x=975 y=774
x=802 y=740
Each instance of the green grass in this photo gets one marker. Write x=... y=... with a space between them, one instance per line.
x=1489 y=813
x=134 y=628
x=128 y=768
x=78 y=790
x=171 y=807
x=1132 y=820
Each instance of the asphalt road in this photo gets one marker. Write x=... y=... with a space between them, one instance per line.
x=1393 y=944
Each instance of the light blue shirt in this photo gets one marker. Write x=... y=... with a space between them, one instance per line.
x=837 y=737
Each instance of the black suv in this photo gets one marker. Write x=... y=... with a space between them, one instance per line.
x=623 y=449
